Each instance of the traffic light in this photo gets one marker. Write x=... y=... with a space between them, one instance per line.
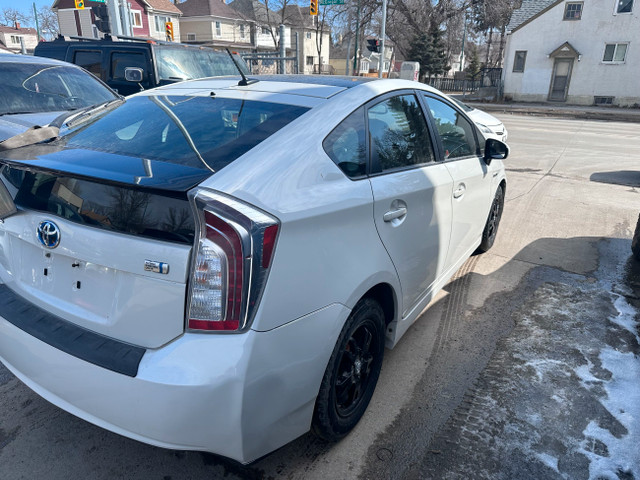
x=102 y=18
x=373 y=45
x=313 y=7
x=168 y=29
x=80 y=4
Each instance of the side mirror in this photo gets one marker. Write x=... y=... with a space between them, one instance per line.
x=133 y=74
x=495 y=150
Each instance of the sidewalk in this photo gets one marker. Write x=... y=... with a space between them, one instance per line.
x=615 y=114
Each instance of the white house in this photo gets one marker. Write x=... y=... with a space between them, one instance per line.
x=579 y=52
x=12 y=38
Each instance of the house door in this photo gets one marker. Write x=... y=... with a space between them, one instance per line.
x=560 y=79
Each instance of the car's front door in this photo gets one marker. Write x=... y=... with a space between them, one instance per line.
x=472 y=178
x=411 y=191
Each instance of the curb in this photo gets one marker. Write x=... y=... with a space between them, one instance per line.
x=611 y=116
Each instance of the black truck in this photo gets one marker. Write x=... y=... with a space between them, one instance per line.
x=129 y=64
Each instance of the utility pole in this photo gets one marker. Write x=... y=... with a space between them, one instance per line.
x=464 y=39
x=382 y=35
x=35 y=15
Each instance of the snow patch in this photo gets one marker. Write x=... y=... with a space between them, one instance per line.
x=549 y=460
x=543 y=366
x=623 y=402
x=626 y=316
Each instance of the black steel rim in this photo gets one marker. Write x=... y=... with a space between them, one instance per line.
x=354 y=369
x=494 y=215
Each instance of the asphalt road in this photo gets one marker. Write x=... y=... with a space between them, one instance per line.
x=525 y=366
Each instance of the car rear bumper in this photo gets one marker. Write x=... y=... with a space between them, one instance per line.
x=239 y=396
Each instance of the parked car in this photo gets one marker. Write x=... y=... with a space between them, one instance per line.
x=489 y=125
x=115 y=60
x=34 y=91
x=218 y=265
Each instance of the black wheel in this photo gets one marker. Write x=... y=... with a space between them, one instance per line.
x=635 y=243
x=352 y=372
x=491 y=227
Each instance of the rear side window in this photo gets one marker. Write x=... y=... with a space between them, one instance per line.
x=346 y=145
x=399 y=135
x=456 y=132
x=90 y=60
x=122 y=60
x=208 y=132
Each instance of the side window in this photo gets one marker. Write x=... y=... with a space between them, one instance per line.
x=399 y=135
x=122 y=60
x=455 y=131
x=90 y=60
x=624 y=6
x=346 y=145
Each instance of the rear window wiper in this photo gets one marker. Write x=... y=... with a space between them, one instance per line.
x=37 y=134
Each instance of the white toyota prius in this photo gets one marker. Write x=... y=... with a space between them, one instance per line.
x=219 y=264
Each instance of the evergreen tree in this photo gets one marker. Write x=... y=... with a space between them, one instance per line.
x=473 y=68
x=419 y=52
x=437 y=54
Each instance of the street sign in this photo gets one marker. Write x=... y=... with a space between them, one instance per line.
x=331 y=2
x=80 y=4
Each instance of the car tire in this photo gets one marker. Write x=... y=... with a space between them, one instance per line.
x=352 y=373
x=635 y=243
x=493 y=221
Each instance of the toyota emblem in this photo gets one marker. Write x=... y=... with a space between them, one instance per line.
x=49 y=234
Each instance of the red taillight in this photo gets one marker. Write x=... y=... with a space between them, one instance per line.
x=268 y=244
x=232 y=254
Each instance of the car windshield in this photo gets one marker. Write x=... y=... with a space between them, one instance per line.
x=180 y=63
x=201 y=132
x=33 y=88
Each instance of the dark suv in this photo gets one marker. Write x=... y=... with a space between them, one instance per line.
x=129 y=65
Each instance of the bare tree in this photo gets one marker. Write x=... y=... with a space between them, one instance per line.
x=48 y=22
x=9 y=16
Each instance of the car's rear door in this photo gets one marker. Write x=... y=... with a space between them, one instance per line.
x=472 y=178
x=411 y=190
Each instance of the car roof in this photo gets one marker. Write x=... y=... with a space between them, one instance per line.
x=301 y=86
x=13 y=58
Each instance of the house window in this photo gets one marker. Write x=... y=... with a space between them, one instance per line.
x=603 y=100
x=265 y=31
x=160 y=22
x=625 y=6
x=218 y=29
x=15 y=39
x=310 y=60
x=519 y=60
x=573 y=11
x=614 y=52
x=191 y=37
x=241 y=31
x=309 y=35
x=136 y=19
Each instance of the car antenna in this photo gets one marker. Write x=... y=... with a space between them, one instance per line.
x=244 y=82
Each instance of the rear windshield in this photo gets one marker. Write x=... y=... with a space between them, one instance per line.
x=189 y=63
x=207 y=132
x=30 y=88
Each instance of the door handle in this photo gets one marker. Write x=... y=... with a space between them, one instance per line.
x=458 y=192
x=393 y=214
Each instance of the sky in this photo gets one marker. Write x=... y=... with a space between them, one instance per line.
x=25 y=6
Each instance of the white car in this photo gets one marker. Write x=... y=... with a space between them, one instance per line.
x=489 y=125
x=218 y=265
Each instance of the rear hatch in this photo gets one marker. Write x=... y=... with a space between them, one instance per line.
x=109 y=257
x=104 y=228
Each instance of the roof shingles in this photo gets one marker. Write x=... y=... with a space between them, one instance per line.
x=528 y=10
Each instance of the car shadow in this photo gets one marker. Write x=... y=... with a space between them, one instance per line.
x=627 y=178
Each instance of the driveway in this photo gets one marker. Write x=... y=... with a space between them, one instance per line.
x=524 y=366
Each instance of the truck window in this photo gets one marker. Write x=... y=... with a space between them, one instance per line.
x=122 y=60
x=90 y=60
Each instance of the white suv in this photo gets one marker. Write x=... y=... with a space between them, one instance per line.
x=218 y=265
